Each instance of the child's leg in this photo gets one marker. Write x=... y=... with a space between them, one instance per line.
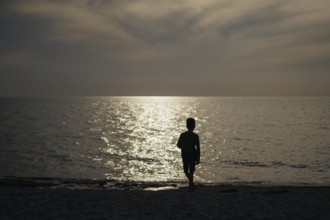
x=191 y=173
x=186 y=169
x=191 y=176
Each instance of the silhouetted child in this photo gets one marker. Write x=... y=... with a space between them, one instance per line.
x=190 y=151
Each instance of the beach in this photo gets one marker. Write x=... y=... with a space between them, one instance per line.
x=33 y=200
x=116 y=158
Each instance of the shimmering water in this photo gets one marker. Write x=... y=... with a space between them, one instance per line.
x=243 y=140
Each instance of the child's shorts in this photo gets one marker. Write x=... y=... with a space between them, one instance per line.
x=189 y=160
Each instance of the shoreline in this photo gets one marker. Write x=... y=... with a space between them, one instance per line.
x=75 y=183
x=55 y=182
x=161 y=200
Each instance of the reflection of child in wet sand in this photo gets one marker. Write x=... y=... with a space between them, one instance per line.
x=190 y=151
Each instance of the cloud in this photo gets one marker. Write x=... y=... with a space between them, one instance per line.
x=73 y=21
x=208 y=41
x=14 y=58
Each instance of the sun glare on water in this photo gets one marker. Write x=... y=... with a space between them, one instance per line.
x=147 y=131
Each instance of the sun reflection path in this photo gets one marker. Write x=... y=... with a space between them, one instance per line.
x=147 y=129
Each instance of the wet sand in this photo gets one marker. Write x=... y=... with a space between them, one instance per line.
x=162 y=201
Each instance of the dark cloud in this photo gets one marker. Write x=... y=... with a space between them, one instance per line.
x=100 y=47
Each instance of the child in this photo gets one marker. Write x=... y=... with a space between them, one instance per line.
x=190 y=151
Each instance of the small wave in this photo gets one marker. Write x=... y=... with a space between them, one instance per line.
x=278 y=164
x=45 y=182
x=68 y=136
x=299 y=166
x=128 y=157
x=62 y=158
x=240 y=139
x=141 y=159
x=252 y=164
x=246 y=163
x=274 y=164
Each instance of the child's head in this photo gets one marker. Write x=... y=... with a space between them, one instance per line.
x=190 y=124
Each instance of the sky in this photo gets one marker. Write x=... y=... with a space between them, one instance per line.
x=165 y=47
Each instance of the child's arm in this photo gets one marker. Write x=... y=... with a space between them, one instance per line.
x=198 y=151
x=179 y=144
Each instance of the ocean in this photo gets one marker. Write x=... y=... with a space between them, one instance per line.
x=244 y=140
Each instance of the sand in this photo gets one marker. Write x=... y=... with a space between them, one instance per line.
x=162 y=201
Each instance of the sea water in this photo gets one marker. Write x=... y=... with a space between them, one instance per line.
x=244 y=140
